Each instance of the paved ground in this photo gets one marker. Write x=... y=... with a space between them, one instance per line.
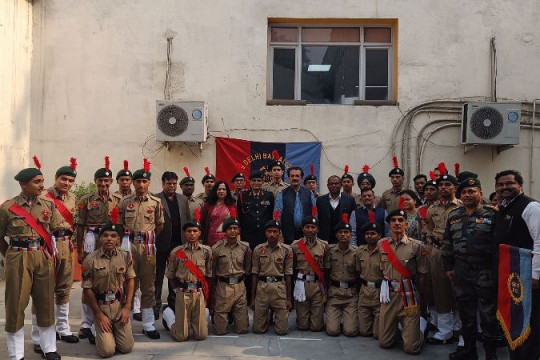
x=297 y=345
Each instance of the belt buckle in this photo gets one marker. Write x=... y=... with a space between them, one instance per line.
x=395 y=285
x=110 y=297
x=233 y=281
x=271 y=279
x=191 y=287
x=343 y=285
x=310 y=278
x=371 y=284
x=300 y=276
x=34 y=243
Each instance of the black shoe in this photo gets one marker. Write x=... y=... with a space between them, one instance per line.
x=37 y=349
x=83 y=333
x=462 y=354
x=51 y=356
x=434 y=341
x=91 y=339
x=70 y=339
x=156 y=312
x=152 y=334
x=137 y=316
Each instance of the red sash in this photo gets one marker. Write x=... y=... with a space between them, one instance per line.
x=64 y=211
x=33 y=223
x=311 y=260
x=195 y=271
x=396 y=263
x=423 y=212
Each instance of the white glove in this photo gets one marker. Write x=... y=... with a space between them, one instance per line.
x=89 y=242
x=385 y=292
x=299 y=292
x=126 y=245
x=54 y=249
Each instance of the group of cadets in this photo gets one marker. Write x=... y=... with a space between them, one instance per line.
x=342 y=260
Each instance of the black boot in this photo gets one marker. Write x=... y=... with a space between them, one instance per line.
x=468 y=352
x=490 y=347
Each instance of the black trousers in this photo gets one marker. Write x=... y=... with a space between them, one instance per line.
x=161 y=266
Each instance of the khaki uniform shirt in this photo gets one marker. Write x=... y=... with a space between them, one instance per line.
x=412 y=254
x=201 y=256
x=369 y=264
x=390 y=200
x=107 y=271
x=437 y=217
x=341 y=264
x=193 y=204
x=231 y=261
x=92 y=210
x=70 y=201
x=275 y=188
x=119 y=195
x=276 y=261
x=14 y=226
x=141 y=215
x=317 y=248
x=201 y=196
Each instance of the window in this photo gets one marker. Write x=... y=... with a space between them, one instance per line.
x=334 y=64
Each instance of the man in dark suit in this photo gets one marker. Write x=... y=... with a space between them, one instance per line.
x=330 y=208
x=176 y=215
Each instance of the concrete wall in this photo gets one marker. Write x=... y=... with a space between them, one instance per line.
x=100 y=67
x=15 y=80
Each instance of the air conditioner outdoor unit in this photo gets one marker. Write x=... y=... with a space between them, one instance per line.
x=490 y=123
x=181 y=121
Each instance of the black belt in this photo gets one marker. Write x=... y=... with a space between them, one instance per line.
x=27 y=243
x=232 y=280
x=271 y=279
x=107 y=297
x=371 y=284
x=343 y=284
x=189 y=285
x=137 y=234
x=62 y=233
x=307 y=277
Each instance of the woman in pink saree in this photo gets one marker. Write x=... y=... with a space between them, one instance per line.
x=215 y=210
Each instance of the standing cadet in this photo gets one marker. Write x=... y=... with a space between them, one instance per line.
x=29 y=264
x=238 y=181
x=469 y=253
x=310 y=181
x=340 y=264
x=124 y=178
x=277 y=169
x=92 y=213
x=347 y=183
x=419 y=181
x=231 y=263
x=390 y=198
x=62 y=228
x=207 y=181
x=310 y=286
x=189 y=271
x=442 y=293
x=108 y=283
x=141 y=215
x=369 y=267
x=366 y=181
x=403 y=266
x=187 y=184
x=272 y=270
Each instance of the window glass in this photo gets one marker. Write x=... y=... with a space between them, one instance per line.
x=336 y=34
x=284 y=34
x=376 y=74
x=283 y=77
x=377 y=35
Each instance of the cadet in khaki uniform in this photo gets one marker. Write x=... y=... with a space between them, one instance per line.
x=124 y=178
x=442 y=292
x=369 y=268
x=347 y=183
x=187 y=184
x=189 y=269
x=108 y=282
x=310 y=288
x=403 y=263
x=29 y=266
x=277 y=168
x=62 y=228
x=272 y=270
x=141 y=216
x=341 y=264
x=92 y=213
x=390 y=198
x=231 y=262
x=207 y=181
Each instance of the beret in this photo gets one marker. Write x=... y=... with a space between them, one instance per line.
x=27 y=174
x=141 y=174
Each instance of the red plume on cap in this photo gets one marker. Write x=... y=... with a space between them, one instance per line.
x=36 y=162
x=276 y=216
x=146 y=165
x=401 y=203
x=371 y=214
x=115 y=215
x=275 y=154
x=314 y=211
x=126 y=165
x=73 y=163
x=207 y=170
x=442 y=168
x=394 y=159
x=432 y=175
x=233 y=213
x=365 y=168
x=345 y=218
x=346 y=170
x=456 y=169
x=312 y=169
x=186 y=170
x=197 y=215
x=107 y=163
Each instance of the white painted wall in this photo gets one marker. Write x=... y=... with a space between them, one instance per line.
x=100 y=66
x=15 y=68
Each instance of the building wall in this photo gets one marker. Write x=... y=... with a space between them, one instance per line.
x=15 y=79
x=101 y=67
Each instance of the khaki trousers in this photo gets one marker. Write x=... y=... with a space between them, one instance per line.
x=369 y=306
x=190 y=309
x=271 y=296
x=342 y=303
x=442 y=293
x=230 y=299
x=145 y=269
x=64 y=271
x=310 y=313
x=120 y=338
